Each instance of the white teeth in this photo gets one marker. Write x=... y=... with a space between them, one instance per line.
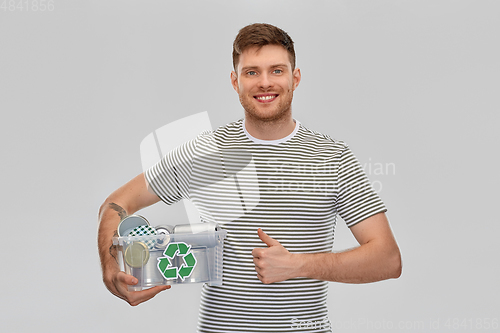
x=266 y=98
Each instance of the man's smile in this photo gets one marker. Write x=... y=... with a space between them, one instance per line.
x=266 y=98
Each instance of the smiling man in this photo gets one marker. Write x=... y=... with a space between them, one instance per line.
x=265 y=79
x=281 y=221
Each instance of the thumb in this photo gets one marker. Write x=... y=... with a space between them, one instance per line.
x=266 y=238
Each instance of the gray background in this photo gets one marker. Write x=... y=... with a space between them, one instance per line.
x=411 y=85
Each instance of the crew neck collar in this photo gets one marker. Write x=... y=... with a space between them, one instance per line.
x=271 y=142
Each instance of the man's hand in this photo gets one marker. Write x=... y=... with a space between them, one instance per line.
x=274 y=263
x=126 y=200
x=377 y=258
x=118 y=282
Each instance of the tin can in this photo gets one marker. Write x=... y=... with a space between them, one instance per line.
x=128 y=223
x=203 y=234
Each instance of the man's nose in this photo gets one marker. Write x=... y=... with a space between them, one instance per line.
x=265 y=81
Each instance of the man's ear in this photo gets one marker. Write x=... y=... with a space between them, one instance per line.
x=234 y=81
x=296 y=78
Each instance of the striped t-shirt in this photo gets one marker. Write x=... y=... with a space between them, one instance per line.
x=293 y=189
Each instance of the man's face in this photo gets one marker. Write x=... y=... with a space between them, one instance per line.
x=265 y=82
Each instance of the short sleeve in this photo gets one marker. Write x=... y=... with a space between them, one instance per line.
x=170 y=177
x=357 y=199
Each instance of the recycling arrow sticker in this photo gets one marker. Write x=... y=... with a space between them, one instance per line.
x=169 y=271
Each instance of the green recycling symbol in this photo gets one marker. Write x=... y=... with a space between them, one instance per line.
x=169 y=271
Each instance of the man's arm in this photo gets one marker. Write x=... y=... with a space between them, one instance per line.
x=377 y=258
x=126 y=200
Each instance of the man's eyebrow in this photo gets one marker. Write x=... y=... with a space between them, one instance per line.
x=246 y=68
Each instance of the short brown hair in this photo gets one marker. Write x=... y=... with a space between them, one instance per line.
x=260 y=34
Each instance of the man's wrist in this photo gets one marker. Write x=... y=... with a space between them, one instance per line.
x=301 y=261
x=315 y=265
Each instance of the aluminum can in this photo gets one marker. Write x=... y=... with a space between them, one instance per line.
x=128 y=223
x=199 y=234
x=167 y=230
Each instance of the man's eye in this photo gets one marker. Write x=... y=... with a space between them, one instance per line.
x=251 y=73
x=277 y=71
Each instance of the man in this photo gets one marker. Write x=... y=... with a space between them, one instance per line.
x=281 y=219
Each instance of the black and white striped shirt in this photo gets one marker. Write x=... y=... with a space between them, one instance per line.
x=293 y=189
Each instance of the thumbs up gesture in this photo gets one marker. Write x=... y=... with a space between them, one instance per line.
x=273 y=263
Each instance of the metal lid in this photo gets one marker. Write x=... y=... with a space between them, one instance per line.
x=136 y=254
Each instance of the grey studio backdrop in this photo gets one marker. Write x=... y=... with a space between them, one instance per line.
x=411 y=86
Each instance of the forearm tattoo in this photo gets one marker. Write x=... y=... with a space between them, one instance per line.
x=122 y=213
x=112 y=249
